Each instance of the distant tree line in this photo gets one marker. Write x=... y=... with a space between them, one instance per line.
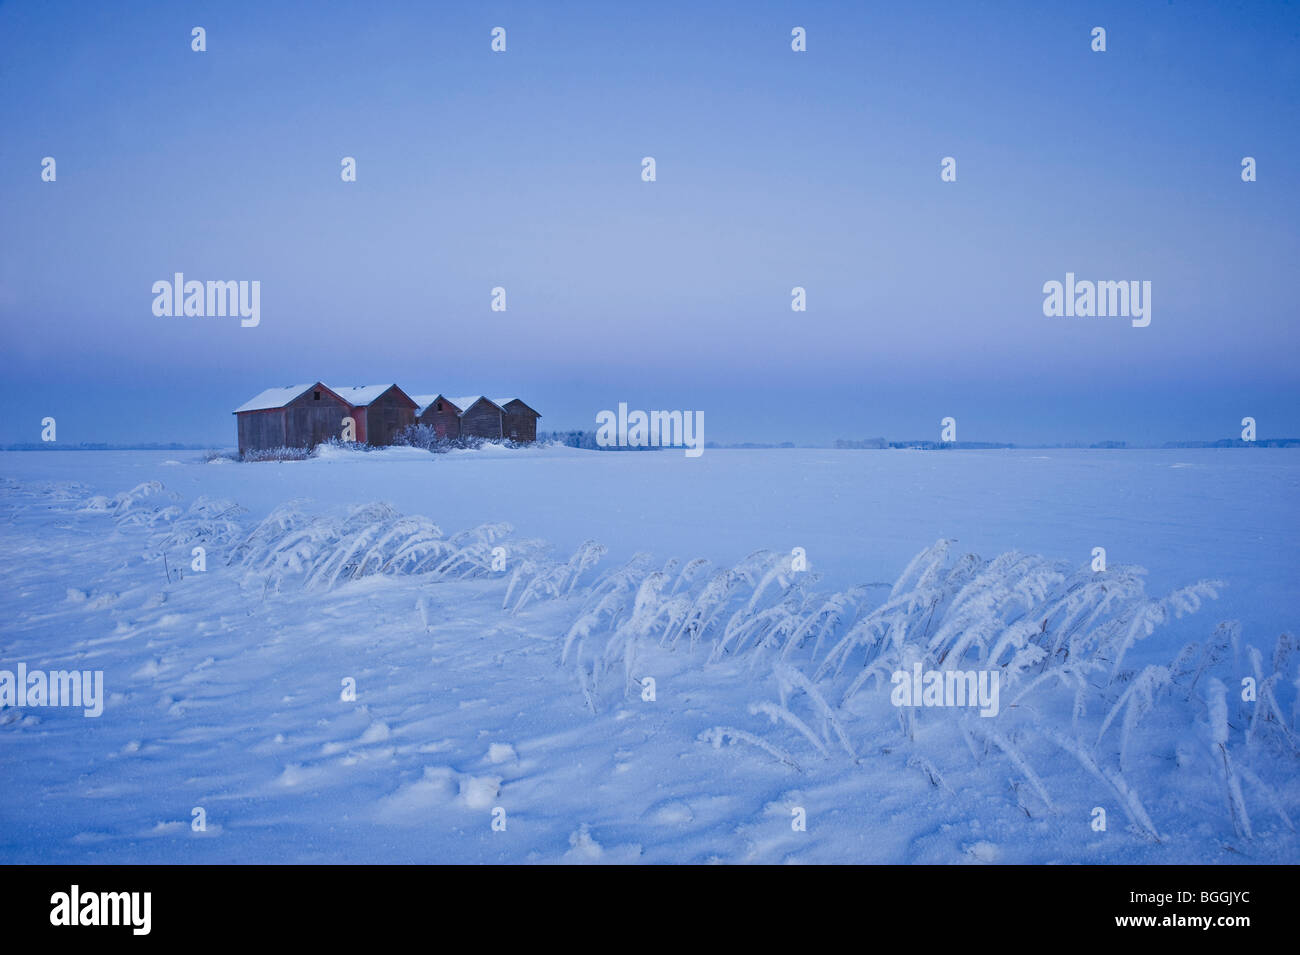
x=880 y=443
x=583 y=439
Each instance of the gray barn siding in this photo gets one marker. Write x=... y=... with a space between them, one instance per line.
x=303 y=423
x=483 y=420
x=520 y=422
x=261 y=430
x=311 y=421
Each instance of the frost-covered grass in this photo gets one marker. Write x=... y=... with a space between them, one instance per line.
x=1059 y=638
x=427 y=438
x=523 y=688
x=254 y=455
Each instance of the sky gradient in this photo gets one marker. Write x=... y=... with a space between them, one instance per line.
x=775 y=169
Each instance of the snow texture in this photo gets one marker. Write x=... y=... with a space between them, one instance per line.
x=346 y=681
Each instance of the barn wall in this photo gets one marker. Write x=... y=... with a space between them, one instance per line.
x=385 y=416
x=260 y=430
x=481 y=421
x=311 y=421
x=361 y=419
x=445 y=422
x=520 y=422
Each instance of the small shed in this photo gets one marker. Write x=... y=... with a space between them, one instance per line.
x=520 y=422
x=380 y=412
x=438 y=412
x=295 y=416
x=480 y=417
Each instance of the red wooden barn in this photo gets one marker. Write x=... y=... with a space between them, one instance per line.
x=296 y=416
x=520 y=421
x=303 y=416
x=477 y=416
x=380 y=412
x=440 y=413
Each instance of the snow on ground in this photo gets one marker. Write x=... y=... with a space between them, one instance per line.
x=517 y=695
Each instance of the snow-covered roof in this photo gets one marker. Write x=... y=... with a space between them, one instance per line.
x=522 y=402
x=359 y=396
x=422 y=403
x=468 y=401
x=275 y=397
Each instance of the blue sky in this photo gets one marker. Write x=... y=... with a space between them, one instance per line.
x=774 y=169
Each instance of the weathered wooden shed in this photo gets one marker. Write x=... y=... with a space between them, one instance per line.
x=520 y=423
x=438 y=412
x=303 y=416
x=296 y=416
x=380 y=412
x=480 y=417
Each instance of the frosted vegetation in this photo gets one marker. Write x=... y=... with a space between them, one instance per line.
x=1093 y=711
x=1061 y=638
x=427 y=438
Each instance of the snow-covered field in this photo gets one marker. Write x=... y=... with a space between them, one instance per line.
x=520 y=696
